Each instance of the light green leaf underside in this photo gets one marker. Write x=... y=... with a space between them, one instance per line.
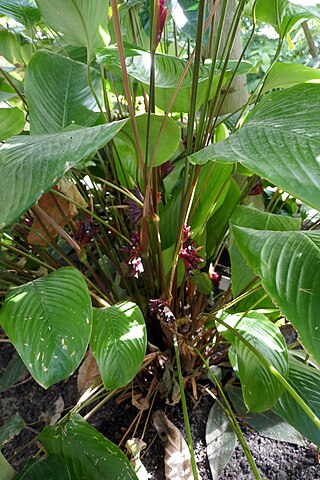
x=58 y=93
x=285 y=75
x=49 y=323
x=306 y=381
x=220 y=439
x=280 y=141
x=87 y=453
x=289 y=265
x=118 y=343
x=12 y=122
x=31 y=165
x=260 y=388
x=78 y=20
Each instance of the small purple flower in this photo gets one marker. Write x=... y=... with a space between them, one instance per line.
x=134 y=260
x=87 y=230
x=135 y=210
x=161 y=309
x=188 y=253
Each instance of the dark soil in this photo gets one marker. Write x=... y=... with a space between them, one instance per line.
x=276 y=460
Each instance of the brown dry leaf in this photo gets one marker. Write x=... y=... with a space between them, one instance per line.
x=59 y=209
x=87 y=373
x=177 y=461
x=58 y=409
x=140 y=402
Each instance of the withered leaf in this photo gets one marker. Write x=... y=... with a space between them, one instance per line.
x=177 y=461
x=87 y=373
x=59 y=209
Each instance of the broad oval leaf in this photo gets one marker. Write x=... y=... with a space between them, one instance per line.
x=58 y=93
x=78 y=20
x=14 y=371
x=260 y=388
x=12 y=122
x=280 y=141
x=31 y=165
x=49 y=323
x=220 y=439
x=11 y=429
x=118 y=343
x=7 y=472
x=285 y=75
x=23 y=11
x=185 y=16
x=306 y=381
x=52 y=467
x=87 y=453
x=168 y=143
x=289 y=265
x=15 y=47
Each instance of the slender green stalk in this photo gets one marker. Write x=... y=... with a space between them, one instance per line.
x=185 y=409
x=232 y=418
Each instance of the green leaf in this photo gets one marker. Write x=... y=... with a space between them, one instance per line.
x=7 y=472
x=280 y=141
x=49 y=323
x=185 y=16
x=78 y=20
x=118 y=343
x=12 y=122
x=15 y=48
x=285 y=75
x=11 y=429
x=31 y=165
x=14 y=370
x=260 y=388
x=88 y=454
x=306 y=381
x=58 y=93
x=23 y=11
x=168 y=70
x=52 y=467
x=169 y=140
x=202 y=282
x=220 y=439
x=242 y=274
x=211 y=190
x=268 y=424
x=288 y=263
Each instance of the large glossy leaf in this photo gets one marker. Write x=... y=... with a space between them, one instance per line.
x=11 y=122
x=49 y=323
x=306 y=381
x=220 y=439
x=285 y=75
x=168 y=70
x=119 y=343
x=289 y=265
x=52 y=467
x=78 y=20
x=169 y=140
x=88 y=454
x=280 y=141
x=7 y=472
x=31 y=165
x=242 y=274
x=23 y=11
x=260 y=388
x=15 y=48
x=58 y=93
x=268 y=424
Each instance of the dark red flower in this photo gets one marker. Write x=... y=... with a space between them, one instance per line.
x=166 y=168
x=135 y=210
x=257 y=189
x=188 y=252
x=134 y=260
x=161 y=309
x=86 y=231
x=215 y=278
